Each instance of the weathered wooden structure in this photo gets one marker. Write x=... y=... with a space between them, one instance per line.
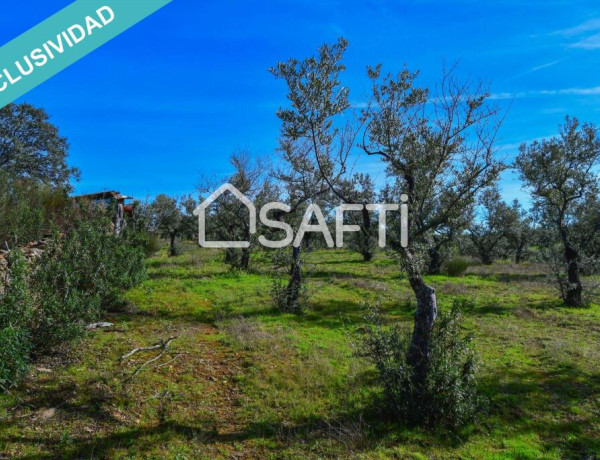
x=109 y=199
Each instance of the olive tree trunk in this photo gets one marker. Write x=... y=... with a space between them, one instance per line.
x=295 y=283
x=419 y=353
x=572 y=294
x=172 y=250
x=519 y=253
x=245 y=259
x=435 y=261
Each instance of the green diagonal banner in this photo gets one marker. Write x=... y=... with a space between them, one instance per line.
x=64 y=38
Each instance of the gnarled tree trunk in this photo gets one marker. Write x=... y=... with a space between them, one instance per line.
x=519 y=253
x=572 y=295
x=367 y=251
x=420 y=347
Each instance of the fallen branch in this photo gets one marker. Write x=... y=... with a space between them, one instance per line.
x=161 y=345
x=99 y=325
x=169 y=361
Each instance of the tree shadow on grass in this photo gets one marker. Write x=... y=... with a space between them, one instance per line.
x=346 y=432
x=543 y=404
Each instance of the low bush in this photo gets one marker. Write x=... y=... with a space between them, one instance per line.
x=449 y=395
x=16 y=313
x=153 y=245
x=456 y=266
x=80 y=274
x=28 y=210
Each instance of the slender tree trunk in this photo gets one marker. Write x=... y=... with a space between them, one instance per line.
x=574 y=288
x=367 y=251
x=294 y=286
x=172 y=250
x=485 y=256
x=519 y=254
x=435 y=261
x=229 y=255
x=420 y=347
x=245 y=260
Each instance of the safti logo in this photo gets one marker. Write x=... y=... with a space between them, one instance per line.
x=305 y=226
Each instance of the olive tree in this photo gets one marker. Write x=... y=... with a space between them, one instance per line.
x=560 y=174
x=520 y=233
x=439 y=145
x=320 y=124
x=165 y=218
x=228 y=218
x=302 y=185
x=489 y=233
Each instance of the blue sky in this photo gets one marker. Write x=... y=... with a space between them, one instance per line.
x=170 y=99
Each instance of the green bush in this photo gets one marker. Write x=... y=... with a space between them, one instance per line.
x=15 y=347
x=80 y=274
x=16 y=312
x=28 y=210
x=153 y=244
x=449 y=396
x=456 y=266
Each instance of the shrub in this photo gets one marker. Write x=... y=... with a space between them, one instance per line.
x=16 y=311
x=28 y=210
x=15 y=346
x=80 y=274
x=456 y=266
x=153 y=245
x=280 y=293
x=449 y=396
x=288 y=297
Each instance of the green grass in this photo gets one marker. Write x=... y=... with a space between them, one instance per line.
x=249 y=381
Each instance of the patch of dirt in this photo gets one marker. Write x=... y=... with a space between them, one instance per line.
x=200 y=381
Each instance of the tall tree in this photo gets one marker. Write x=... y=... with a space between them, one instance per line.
x=520 y=234
x=317 y=122
x=490 y=231
x=440 y=147
x=560 y=174
x=31 y=147
x=229 y=218
x=166 y=218
x=303 y=184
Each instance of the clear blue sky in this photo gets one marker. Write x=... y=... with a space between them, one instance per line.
x=171 y=98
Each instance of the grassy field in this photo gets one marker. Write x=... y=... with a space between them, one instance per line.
x=241 y=380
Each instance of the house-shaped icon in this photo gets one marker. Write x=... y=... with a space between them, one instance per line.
x=200 y=211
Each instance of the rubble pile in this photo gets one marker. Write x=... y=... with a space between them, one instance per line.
x=32 y=252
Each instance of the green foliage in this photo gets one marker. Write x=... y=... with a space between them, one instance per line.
x=561 y=173
x=79 y=275
x=490 y=234
x=153 y=245
x=289 y=293
x=457 y=266
x=82 y=274
x=16 y=313
x=448 y=398
x=28 y=209
x=15 y=346
x=31 y=147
